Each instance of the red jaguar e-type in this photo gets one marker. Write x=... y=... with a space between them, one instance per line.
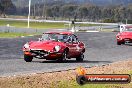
x=125 y=36
x=55 y=46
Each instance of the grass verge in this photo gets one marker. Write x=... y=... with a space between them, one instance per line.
x=39 y=25
x=66 y=79
x=73 y=84
x=13 y=35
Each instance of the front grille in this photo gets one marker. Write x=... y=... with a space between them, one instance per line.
x=128 y=40
x=39 y=52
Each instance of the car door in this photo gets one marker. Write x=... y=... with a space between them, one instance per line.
x=77 y=46
x=70 y=46
x=73 y=46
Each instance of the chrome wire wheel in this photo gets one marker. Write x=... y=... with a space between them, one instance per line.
x=28 y=58
x=80 y=57
x=64 y=57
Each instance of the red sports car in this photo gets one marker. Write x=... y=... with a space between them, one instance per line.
x=125 y=36
x=55 y=46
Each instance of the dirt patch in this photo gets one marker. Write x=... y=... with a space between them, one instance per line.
x=48 y=80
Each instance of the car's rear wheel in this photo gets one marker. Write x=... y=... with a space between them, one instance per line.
x=28 y=58
x=80 y=57
x=64 y=57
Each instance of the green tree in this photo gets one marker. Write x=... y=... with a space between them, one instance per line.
x=93 y=12
x=82 y=12
x=68 y=11
x=4 y=5
x=49 y=12
x=55 y=10
x=129 y=12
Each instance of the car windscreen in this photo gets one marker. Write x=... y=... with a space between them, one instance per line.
x=56 y=37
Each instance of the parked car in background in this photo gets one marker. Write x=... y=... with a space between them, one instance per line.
x=58 y=46
x=125 y=35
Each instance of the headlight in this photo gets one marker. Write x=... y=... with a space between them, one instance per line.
x=118 y=37
x=26 y=45
x=57 y=48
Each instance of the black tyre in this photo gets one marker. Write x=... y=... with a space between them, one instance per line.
x=64 y=57
x=81 y=80
x=80 y=57
x=28 y=58
x=118 y=43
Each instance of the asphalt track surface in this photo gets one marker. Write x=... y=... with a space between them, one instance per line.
x=101 y=49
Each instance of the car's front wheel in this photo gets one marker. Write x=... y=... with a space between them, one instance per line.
x=28 y=58
x=64 y=57
x=118 y=43
x=80 y=57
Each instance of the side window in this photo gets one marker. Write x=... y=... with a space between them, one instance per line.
x=69 y=39
x=74 y=39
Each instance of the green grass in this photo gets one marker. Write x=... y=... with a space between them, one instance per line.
x=83 y=25
x=12 y=35
x=35 y=25
x=73 y=84
x=39 y=25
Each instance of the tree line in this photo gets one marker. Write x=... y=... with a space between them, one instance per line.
x=71 y=11
x=6 y=6
x=86 y=12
